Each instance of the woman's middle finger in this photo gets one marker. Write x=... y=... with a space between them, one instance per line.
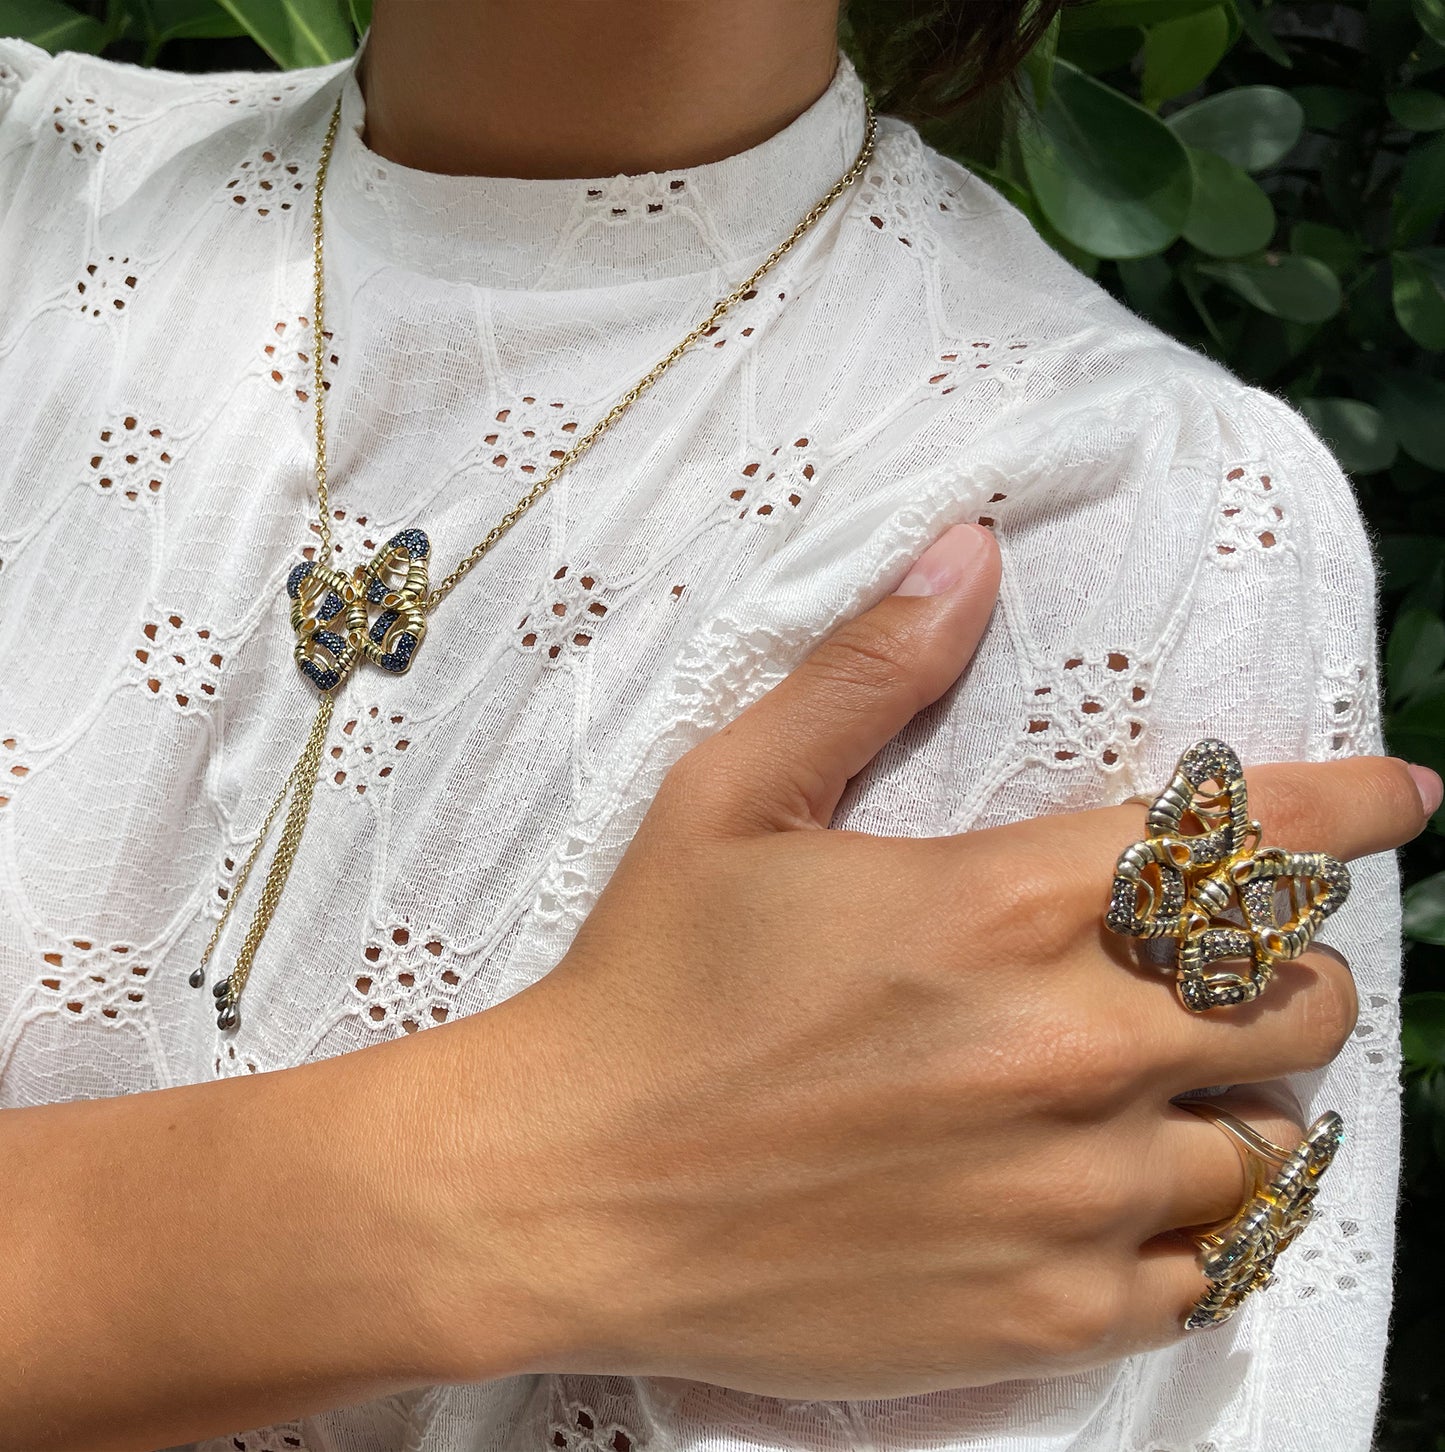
x=1192 y=1172
x=1300 y=1023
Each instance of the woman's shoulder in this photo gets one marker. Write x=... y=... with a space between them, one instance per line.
x=1025 y=355
x=82 y=125
x=29 y=74
x=991 y=329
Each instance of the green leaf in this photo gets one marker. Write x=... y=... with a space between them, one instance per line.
x=360 y=15
x=1392 y=33
x=1417 y=730
x=1416 y=652
x=52 y=25
x=1253 y=126
x=1419 y=295
x=1429 y=593
x=1370 y=318
x=1298 y=289
x=1331 y=108
x=1189 y=282
x=1230 y=215
x=1417 y=110
x=1428 y=57
x=1038 y=65
x=1097 y=51
x=1431 y=15
x=1338 y=250
x=1257 y=28
x=297 y=32
x=1108 y=176
x=1007 y=187
x=190 y=20
x=1149 y=288
x=1420 y=195
x=1414 y=405
x=1422 y=1029
x=1108 y=14
x=1410 y=559
x=1357 y=433
x=1270 y=344
x=1180 y=54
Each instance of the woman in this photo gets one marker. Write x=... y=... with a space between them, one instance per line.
x=880 y=1115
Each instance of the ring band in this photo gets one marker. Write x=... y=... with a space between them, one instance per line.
x=1238 y=1255
x=1214 y=890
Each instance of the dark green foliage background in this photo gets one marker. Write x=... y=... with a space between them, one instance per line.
x=1263 y=180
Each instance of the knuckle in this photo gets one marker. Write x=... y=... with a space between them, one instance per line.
x=1295 y=806
x=702 y=790
x=1112 y=1063
x=1075 y=1316
x=1079 y=1063
x=692 y=778
x=1094 y=1191
x=1016 y=885
x=863 y=657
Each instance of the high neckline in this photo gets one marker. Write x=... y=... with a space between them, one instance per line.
x=588 y=232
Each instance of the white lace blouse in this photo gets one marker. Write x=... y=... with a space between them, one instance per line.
x=1182 y=557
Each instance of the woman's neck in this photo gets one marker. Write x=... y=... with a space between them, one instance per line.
x=586 y=88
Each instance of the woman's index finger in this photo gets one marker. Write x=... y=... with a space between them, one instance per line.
x=1350 y=808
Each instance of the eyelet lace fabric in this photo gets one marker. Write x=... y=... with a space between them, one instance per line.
x=1181 y=557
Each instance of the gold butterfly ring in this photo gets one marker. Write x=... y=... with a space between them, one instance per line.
x=1201 y=878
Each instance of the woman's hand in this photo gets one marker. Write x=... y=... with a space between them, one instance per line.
x=822 y=1114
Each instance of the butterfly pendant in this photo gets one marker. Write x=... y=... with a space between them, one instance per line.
x=332 y=612
x=1214 y=890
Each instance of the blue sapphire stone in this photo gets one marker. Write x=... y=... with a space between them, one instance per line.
x=329 y=606
x=376 y=591
x=330 y=640
x=381 y=625
x=398 y=659
x=321 y=677
x=294 y=579
x=413 y=541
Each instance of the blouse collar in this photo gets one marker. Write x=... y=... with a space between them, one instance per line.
x=508 y=232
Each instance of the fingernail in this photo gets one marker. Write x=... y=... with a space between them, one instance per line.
x=1429 y=786
x=947 y=561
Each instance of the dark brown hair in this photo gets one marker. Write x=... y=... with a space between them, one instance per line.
x=928 y=59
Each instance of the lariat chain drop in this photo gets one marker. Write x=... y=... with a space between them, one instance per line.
x=324 y=599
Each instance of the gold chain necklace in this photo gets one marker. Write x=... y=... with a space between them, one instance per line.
x=331 y=612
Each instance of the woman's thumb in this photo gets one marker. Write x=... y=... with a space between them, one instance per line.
x=784 y=761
